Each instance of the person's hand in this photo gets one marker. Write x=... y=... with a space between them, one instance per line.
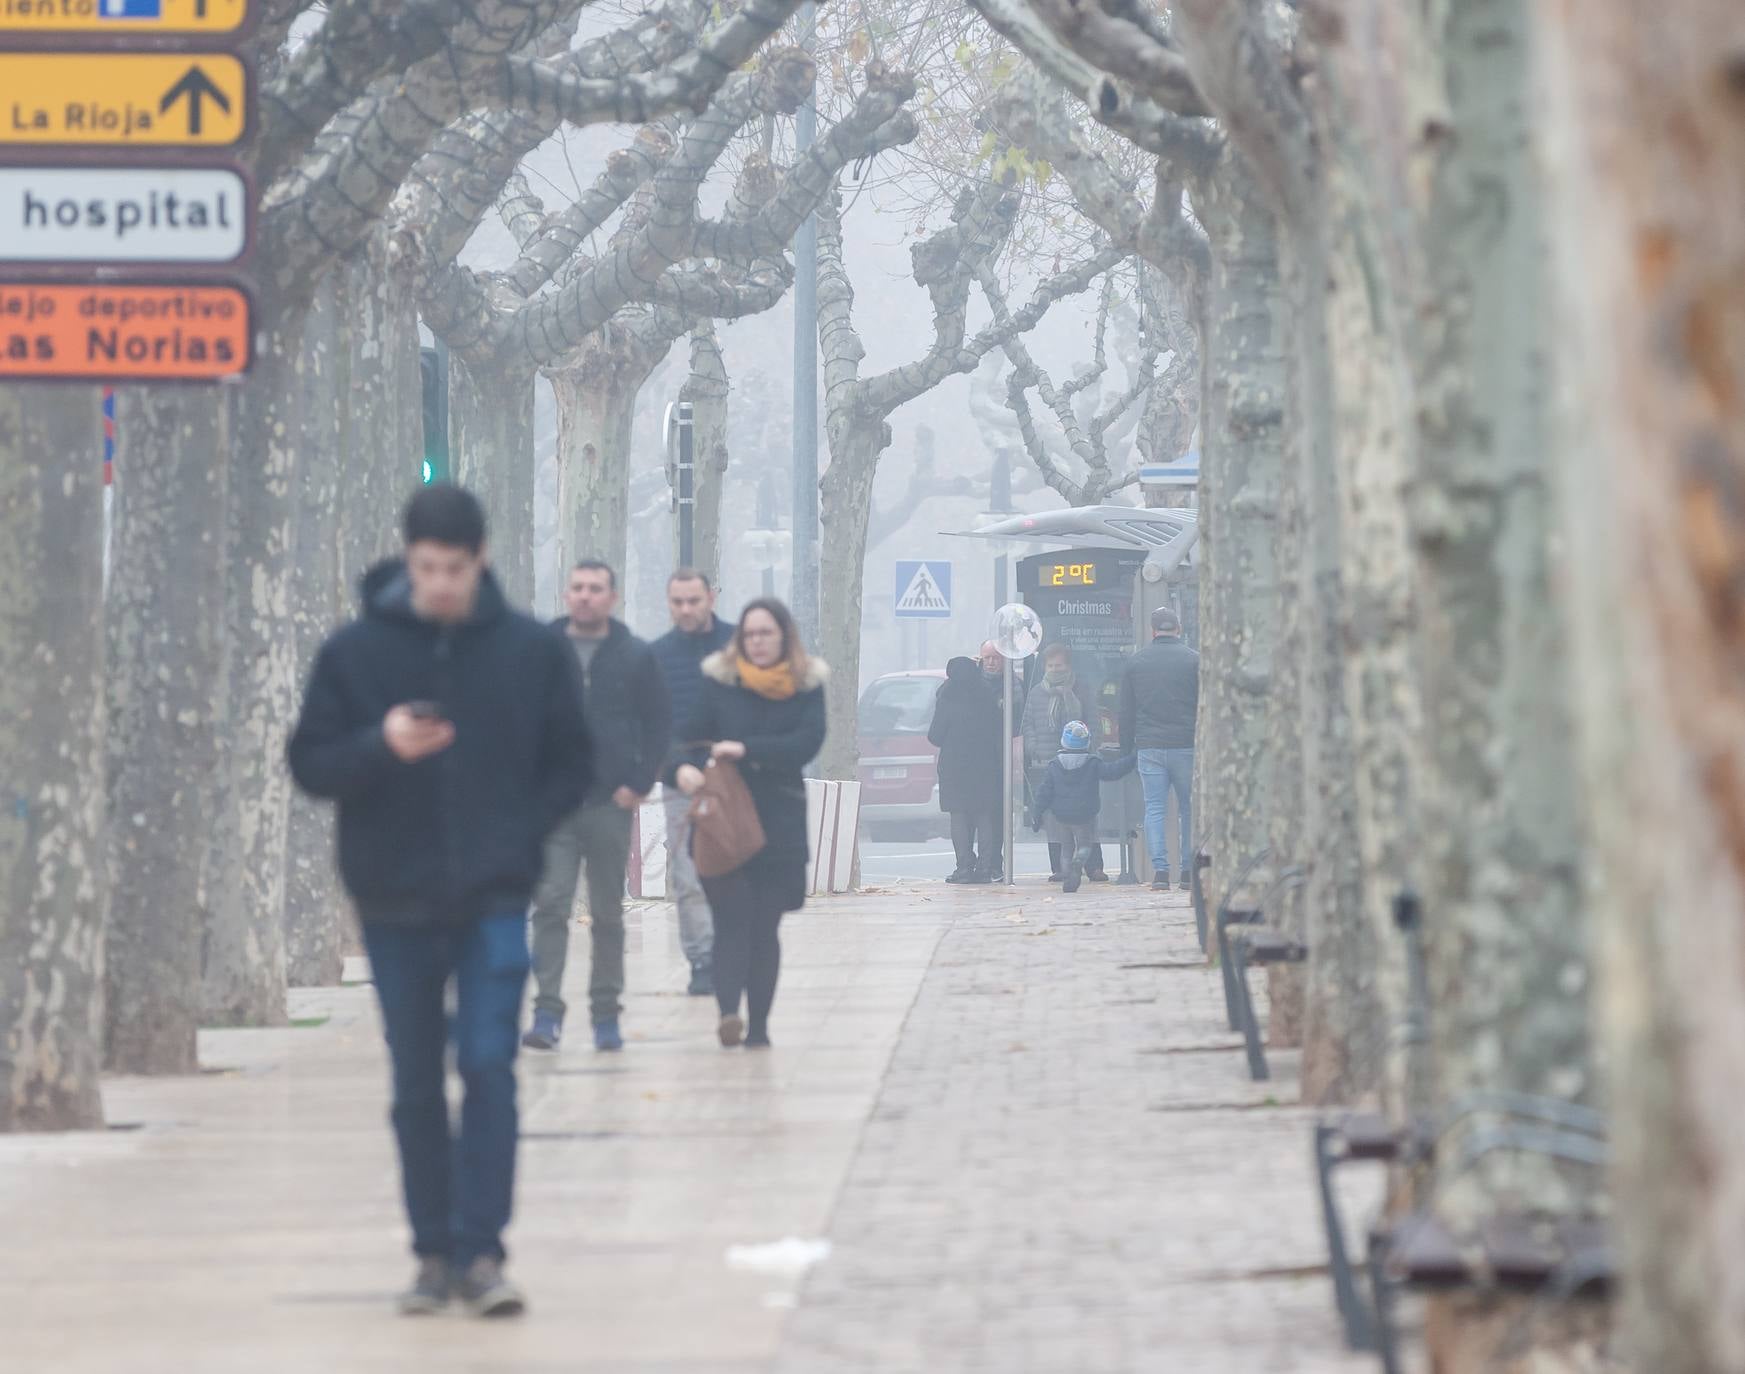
x=689 y=779
x=411 y=738
x=730 y=749
x=626 y=799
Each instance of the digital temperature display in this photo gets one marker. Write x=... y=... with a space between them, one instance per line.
x=1068 y=574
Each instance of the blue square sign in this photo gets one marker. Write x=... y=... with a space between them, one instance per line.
x=923 y=590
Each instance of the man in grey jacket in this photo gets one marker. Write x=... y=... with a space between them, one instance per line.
x=1159 y=703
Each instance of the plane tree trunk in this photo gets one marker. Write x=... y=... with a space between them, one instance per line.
x=52 y=878
x=1646 y=124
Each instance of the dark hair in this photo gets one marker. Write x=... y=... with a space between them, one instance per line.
x=445 y=514
x=597 y=565
x=1165 y=621
x=792 y=649
x=690 y=575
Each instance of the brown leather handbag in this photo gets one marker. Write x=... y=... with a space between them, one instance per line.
x=725 y=831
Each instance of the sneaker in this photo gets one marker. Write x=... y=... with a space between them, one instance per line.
x=1056 y=876
x=547 y=1030
x=730 y=1030
x=1160 y=881
x=1186 y=884
x=430 y=1290
x=1071 y=881
x=702 y=981
x=960 y=875
x=606 y=1036
x=757 y=1040
x=487 y=1293
x=1097 y=876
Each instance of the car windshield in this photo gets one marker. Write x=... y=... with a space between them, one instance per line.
x=898 y=706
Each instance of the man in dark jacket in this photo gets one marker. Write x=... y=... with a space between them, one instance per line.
x=966 y=731
x=630 y=724
x=1159 y=703
x=697 y=632
x=449 y=729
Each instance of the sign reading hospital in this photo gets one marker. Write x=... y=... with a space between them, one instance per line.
x=123 y=99
x=98 y=17
x=134 y=215
x=123 y=332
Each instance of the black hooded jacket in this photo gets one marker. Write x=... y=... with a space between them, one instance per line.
x=458 y=835
x=966 y=730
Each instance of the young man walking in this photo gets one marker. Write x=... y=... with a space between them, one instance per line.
x=449 y=730
x=696 y=633
x=1159 y=704
x=629 y=722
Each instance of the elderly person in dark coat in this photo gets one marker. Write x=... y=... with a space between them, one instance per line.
x=966 y=730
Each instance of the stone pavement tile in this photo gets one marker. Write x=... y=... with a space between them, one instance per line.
x=1068 y=1171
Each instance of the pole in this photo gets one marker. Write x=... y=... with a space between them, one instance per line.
x=687 y=487
x=1006 y=767
x=805 y=574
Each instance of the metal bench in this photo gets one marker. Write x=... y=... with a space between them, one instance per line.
x=1197 y=892
x=1258 y=946
x=1559 y=1258
x=1231 y=915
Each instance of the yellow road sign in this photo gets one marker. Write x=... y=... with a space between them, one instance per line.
x=123 y=100
x=92 y=18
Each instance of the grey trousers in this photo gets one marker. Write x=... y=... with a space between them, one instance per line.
x=598 y=836
x=696 y=923
x=1078 y=845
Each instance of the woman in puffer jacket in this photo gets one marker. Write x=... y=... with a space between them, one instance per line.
x=762 y=706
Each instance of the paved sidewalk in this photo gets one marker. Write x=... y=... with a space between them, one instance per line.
x=1026 y=1156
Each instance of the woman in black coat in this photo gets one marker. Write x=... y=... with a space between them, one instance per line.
x=762 y=706
x=966 y=730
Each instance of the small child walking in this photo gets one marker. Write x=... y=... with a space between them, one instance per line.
x=1071 y=792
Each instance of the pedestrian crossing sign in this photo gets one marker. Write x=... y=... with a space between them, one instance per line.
x=923 y=590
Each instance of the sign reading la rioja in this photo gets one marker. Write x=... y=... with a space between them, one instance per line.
x=131 y=99
x=96 y=18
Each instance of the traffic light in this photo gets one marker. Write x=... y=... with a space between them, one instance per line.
x=433 y=377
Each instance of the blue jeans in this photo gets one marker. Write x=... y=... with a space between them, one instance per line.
x=1160 y=770
x=459 y=1192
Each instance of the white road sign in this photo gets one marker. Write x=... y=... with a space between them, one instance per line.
x=181 y=215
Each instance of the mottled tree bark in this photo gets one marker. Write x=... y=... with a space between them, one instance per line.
x=844 y=507
x=52 y=881
x=383 y=434
x=491 y=423
x=707 y=389
x=164 y=614
x=314 y=912
x=1242 y=555
x=243 y=946
x=596 y=401
x=1646 y=131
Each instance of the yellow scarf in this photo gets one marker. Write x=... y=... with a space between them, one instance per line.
x=775 y=683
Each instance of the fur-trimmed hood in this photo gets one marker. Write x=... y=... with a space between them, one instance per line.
x=722 y=667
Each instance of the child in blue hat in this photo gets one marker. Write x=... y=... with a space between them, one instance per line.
x=1071 y=792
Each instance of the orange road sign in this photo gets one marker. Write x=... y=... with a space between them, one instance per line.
x=123 y=332
x=123 y=99
x=102 y=18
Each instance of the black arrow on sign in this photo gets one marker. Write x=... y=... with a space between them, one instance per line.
x=197 y=87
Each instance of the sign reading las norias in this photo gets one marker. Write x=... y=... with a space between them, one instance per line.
x=98 y=17
x=123 y=99
x=123 y=332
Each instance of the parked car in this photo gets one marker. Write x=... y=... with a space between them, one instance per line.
x=899 y=797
